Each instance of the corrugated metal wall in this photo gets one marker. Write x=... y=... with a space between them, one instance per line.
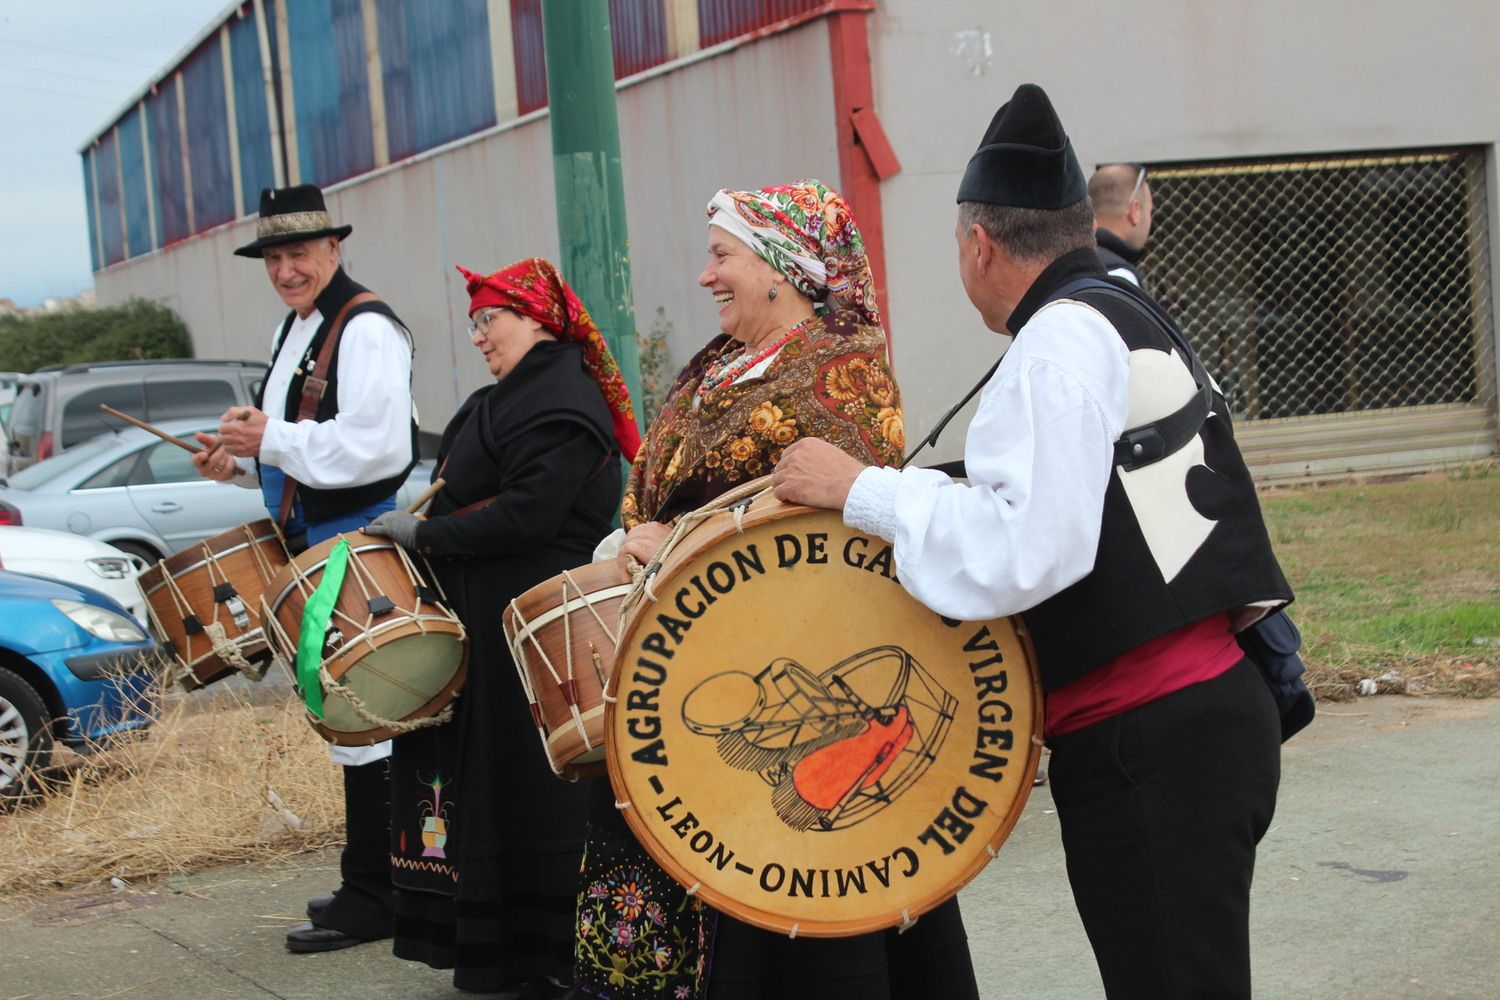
x=165 y=127
x=331 y=89
x=133 y=185
x=107 y=160
x=252 y=123
x=207 y=123
x=436 y=72
x=354 y=85
x=88 y=194
x=721 y=20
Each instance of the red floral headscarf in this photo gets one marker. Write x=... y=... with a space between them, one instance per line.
x=532 y=287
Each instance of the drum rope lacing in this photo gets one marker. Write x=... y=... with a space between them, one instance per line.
x=227 y=649
x=518 y=648
x=365 y=580
x=737 y=501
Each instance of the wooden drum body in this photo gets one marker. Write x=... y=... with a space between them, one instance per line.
x=392 y=654
x=562 y=636
x=802 y=741
x=206 y=602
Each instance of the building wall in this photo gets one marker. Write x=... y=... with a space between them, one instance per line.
x=716 y=122
x=1158 y=80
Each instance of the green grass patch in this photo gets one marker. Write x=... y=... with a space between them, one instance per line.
x=1395 y=579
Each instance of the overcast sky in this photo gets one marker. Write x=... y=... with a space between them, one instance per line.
x=66 y=67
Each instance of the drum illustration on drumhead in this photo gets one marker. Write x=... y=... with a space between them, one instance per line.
x=798 y=741
x=835 y=747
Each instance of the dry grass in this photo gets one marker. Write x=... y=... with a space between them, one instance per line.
x=218 y=780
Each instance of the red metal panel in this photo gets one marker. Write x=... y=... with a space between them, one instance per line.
x=721 y=20
x=638 y=31
x=530 y=54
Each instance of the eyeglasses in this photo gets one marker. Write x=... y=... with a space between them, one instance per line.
x=481 y=322
x=1140 y=178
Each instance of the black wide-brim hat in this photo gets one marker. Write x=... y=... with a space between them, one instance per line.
x=291 y=215
x=1025 y=159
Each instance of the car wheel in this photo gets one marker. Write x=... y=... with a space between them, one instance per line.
x=25 y=735
x=140 y=550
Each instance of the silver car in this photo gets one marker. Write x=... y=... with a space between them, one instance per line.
x=140 y=493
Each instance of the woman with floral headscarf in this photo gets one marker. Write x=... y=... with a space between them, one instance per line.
x=485 y=840
x=800 y=353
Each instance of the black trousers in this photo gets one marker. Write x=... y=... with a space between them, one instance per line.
x=364 y=904
x=1161 y=809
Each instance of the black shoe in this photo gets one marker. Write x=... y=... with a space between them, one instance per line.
x=318 y=904
x=309 y=937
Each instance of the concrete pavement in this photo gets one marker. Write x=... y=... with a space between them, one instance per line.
x=1379 y=880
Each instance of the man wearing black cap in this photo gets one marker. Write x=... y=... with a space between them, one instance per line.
x=1121 y=194
x=1133 y=572
x=332 y=437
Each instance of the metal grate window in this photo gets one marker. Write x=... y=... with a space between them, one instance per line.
x=1330 y=285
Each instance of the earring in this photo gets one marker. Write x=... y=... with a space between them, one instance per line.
x=772 y=293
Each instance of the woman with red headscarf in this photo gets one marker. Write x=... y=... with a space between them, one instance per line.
x=485 y=839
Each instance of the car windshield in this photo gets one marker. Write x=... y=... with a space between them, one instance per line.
x=36 y=475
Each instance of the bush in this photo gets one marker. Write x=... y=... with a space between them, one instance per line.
x=134 y=331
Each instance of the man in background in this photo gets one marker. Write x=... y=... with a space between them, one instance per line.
x=1122 y=209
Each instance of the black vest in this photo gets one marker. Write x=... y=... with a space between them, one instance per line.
x=1116 y=254
x=324 y=505
x=1128 y=598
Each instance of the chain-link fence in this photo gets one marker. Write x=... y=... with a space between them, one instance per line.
x=1330 y=285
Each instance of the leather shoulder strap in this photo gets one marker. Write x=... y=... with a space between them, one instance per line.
x=313 y=388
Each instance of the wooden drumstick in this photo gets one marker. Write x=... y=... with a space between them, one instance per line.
x=426 y=496
x=179 y=442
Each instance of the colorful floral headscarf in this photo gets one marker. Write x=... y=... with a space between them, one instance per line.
x=805 y=231
x=534 y=288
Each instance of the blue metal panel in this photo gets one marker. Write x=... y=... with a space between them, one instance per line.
x=106 y=154
x=166 y=162
x=721 y=20
x=330 y=85
x=208 y=136
x=436 y=70
x=133 y=171
x=530 y=53
x=88 y=197
x=638 y=31
x=252 y=125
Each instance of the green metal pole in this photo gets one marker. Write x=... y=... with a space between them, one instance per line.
x=586 y=167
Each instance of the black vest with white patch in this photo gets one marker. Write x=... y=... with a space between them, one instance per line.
x=1181 y=540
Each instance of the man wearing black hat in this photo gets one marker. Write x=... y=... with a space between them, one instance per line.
x=1133 y=571
x=332 y=437
x=1121 y=194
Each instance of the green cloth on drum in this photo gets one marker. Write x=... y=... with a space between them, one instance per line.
x=315 y=627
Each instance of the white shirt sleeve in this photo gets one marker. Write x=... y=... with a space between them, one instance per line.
x=370 y=437
x=1039 y=455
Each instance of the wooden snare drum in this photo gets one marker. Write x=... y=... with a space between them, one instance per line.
x=562 y=636
x=393 y=656
x=206 y=602
x=799 y=740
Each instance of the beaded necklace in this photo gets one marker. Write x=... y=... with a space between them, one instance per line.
x=726 y=369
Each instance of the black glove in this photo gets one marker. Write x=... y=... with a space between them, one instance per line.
x=397 y=525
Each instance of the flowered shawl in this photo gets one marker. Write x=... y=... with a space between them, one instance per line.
x=805 y=231
x=831 y=381
x=533 y=287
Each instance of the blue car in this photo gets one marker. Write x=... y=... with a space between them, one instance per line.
x=75 y=668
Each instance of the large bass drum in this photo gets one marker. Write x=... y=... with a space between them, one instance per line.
x=800 y=742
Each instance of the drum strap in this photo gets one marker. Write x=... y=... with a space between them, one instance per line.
x=313 y=388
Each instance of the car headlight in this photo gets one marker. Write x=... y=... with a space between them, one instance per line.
x=100 y=622
x=111 y=567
